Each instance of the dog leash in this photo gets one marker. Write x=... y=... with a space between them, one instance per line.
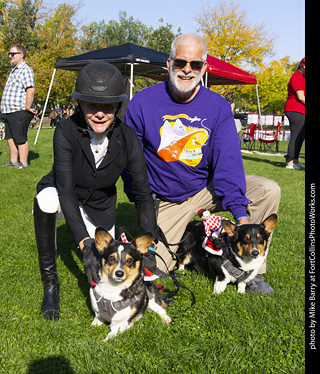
x=166 y=297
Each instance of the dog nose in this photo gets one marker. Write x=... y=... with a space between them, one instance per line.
x=119 y=273
x=254 y=253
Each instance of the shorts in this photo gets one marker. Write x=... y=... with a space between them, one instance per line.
x=17 y=126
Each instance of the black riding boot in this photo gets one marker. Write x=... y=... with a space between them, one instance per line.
x=45 y=230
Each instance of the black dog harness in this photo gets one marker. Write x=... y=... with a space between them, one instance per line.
x=239 y=274
x=108 y=308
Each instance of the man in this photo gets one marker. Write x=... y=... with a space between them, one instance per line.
x=192 y=151
x=17 y=99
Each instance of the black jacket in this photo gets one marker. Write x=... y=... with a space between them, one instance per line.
x=80 y=183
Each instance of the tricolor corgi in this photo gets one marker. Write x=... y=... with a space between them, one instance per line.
x=122 y=295
x=244 y=251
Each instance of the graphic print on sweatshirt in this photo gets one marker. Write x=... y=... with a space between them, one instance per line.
x=181 y=140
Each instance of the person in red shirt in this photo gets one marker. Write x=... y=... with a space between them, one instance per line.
x=295 y=111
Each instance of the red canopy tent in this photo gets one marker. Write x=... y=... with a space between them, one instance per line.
x=219 y=72
x=223 y=73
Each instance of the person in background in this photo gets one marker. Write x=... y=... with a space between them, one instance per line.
x=294 y=109
x=59 y=113
x=38 y=114
x=229 y=97
x=16 y=103
x=52 y=117
x=192 y=152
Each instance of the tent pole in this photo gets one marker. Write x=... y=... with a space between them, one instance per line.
x=45 y=105
x=258 y=105
x=131 y=81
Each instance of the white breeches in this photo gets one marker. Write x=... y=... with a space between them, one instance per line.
x=48 y=201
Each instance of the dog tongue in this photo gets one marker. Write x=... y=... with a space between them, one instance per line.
x=93 y=283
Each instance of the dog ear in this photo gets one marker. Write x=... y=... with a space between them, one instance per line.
x=229 y=227
x=103 y=239
x=270 y=223
x=143 y=242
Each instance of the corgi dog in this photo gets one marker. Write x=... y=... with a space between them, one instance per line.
x=245 y=248
x=122 y=296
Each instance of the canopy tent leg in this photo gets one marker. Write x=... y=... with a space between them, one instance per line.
x=258 y=105
x=131 y=81
x=45 y=105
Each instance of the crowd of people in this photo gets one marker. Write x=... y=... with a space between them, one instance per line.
x=177 y=150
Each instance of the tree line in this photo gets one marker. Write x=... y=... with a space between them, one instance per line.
x=50 y=33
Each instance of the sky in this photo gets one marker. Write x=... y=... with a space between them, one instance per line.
x=285 y=18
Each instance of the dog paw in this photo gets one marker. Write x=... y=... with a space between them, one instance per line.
x=242 y=288
x=96 y=322
x=219 y=288
x=166 y=319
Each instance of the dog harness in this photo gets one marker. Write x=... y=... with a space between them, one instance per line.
x=108 y=308
x=239 y=274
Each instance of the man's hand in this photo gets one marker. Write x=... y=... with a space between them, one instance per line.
x=243 y=221
x=90 y=262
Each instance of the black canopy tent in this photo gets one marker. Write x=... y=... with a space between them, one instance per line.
x=129 y=58
x=132 y=60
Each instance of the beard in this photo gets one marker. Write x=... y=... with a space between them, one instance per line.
x=179 y=89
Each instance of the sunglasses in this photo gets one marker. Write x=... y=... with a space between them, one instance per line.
x=11 y=54
x=180 y=64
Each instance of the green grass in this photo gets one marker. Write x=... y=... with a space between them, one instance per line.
x=224 y=334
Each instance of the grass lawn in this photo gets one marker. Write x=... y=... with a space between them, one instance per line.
x=227 y=334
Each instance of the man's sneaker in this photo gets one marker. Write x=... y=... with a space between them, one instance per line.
x=258 y=285
x=300 y=165
x=20 y=165
x=10 y=163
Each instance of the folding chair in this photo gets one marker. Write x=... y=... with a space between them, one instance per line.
x=248 y=137
x=269 y=140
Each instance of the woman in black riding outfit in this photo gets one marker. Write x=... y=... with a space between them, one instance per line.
x=91 y=149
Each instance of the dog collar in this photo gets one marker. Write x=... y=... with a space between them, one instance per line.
x=239 y=274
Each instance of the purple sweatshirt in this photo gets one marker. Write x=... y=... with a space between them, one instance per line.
x=186 y=145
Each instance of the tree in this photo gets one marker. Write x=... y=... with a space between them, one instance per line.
x=126 y=30
x=57 y=39
x=232 y=38
x=272 y=82
x=20 y=23
x=161 y=38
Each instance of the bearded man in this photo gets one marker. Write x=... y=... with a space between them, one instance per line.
x=193 y=153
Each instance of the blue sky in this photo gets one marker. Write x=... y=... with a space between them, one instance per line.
x=286 y=18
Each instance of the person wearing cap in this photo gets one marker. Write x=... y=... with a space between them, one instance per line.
x=295 y=111
x=91 y=149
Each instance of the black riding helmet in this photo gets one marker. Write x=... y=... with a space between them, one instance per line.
x=99 y=82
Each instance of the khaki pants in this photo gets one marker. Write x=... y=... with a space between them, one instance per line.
x=263 y=195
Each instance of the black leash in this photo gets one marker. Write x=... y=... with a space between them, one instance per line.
x=171 y=273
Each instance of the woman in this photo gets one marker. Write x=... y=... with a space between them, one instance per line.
x=91 y=149
x=295 y=111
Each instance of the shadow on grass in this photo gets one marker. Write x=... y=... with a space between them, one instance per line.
x=66 y=245
x=279 y=163
x=33 y=156
x=51 y=365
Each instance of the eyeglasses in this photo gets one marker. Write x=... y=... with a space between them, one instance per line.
x=180 y=64
x=11 y=54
